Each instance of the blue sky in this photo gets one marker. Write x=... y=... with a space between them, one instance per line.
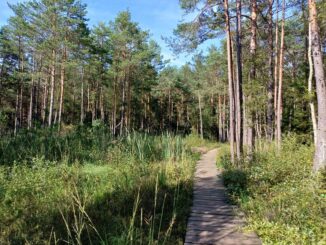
x=160 y=17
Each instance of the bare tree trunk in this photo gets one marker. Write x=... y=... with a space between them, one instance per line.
x=88 y=98
x=276 y=65
x=270 y=106
x=114 y=111
x=82 y=98
x=220 y=120
x=148 y=115
x=52 y=88
x=31 y=101
x=238 y=93
x=123 y=107
x=44 y=101
x=253 y=47
x=230 y=78
x=310 y=91
x=19 y=120
x=62 y=81
x=280 y=81
x=21 y=106
x=30 y=111
x=16 y=112
x=320 y=152
x=38 y=103
x=200 y=118
x=170 y=109
x=102 y=104
x=224 y=123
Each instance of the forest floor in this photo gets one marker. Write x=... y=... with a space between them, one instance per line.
x=213 y=220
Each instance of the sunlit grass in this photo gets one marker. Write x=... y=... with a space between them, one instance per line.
x=91 y=188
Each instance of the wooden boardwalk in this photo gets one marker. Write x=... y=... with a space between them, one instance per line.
x=213 y=220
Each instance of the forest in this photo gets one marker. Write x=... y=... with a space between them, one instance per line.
x=98 y=129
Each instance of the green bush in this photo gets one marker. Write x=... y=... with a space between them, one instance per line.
x=284 y=202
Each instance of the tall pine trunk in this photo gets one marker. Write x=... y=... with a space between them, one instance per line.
x=52 y=88
x=320 y=152
x=310 y=90
x=230 y=79
x=253 y=46
x=238 y=87
x=270 y=106
x=82 y=98
x=62 y=81
x=280 y=83
x=30 y=110
x=276 y=63
x=16 y=112
x=200 y=118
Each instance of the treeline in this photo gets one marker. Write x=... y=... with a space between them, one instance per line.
x=274 y=70
x=54 y=69
x=259 y=83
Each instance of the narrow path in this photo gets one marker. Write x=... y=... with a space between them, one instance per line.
x=213 y=220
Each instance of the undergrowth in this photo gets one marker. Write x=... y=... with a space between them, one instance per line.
x=85 y=187
x=283 y=201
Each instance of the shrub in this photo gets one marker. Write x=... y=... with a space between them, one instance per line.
x=283 y=201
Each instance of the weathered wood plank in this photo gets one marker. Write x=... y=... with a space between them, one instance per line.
x=213 y=220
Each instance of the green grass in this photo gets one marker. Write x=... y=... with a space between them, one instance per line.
x=87 y=188
x=194 y=140
x=283 y=201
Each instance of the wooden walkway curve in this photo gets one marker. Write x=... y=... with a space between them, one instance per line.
x=213 y=220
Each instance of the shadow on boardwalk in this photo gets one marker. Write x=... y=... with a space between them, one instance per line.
x=213 y=220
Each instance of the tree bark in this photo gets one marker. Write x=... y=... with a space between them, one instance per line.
x=310 y=91
x=253 y=47
x=62 y=81
x=220 y=120
x=82 y=98
x=238 y=87
x=230 y=78
x=270 y=106
x=276 y=64
x=320 y=152
x=280 y=83
x=30 y=110
x=52 y=87
x=200 y=118
x=16 y=113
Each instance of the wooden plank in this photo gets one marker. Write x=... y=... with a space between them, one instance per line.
x=213 y=220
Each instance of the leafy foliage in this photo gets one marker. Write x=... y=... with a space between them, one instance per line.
x=283 y=201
